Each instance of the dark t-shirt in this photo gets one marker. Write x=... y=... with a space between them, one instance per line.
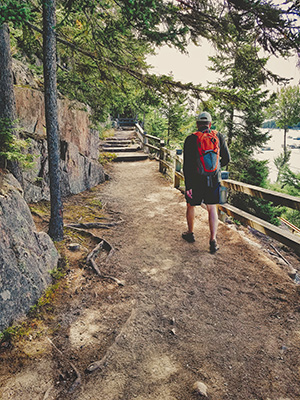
x=191 y=157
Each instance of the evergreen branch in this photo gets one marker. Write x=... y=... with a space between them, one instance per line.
x=158 y=83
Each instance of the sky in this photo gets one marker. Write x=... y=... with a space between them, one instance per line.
x=193 y=67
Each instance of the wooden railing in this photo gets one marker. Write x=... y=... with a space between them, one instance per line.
x=120 y=122
x=171 y=163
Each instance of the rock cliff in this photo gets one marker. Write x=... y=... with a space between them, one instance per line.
x=26 y=256
x=79 y=144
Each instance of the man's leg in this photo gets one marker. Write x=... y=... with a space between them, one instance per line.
x=213 y=220
x=190 y=217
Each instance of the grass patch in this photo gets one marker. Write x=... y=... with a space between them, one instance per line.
x=105 y=158
x=95 y=203
x=41 y=208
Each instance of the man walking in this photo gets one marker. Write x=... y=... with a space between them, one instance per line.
x=202 y=175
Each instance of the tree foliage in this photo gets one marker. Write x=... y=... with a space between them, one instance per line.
x=16 y=11
x=11 y=147
x=242 y=69
x=285 y=110
x=103 y=43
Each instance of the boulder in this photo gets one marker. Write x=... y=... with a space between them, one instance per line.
x=26 y=256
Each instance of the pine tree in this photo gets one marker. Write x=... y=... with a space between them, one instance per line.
x=286 y=111
x=244 y=71
x=51 y=113
x=7 y=103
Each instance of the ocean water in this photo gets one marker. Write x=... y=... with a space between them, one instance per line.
x=275 y=143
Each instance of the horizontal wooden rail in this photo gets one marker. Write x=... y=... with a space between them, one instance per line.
x=291 y=226
x=152 y=147
x=168 y=160
x=166 y=164
x=179 y=175
x=152 y=137
x=141 y=130
x=260 y=225
x=270 y=195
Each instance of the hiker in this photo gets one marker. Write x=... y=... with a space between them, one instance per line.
x=202 y=175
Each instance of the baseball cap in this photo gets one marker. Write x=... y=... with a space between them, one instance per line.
x=204 y=116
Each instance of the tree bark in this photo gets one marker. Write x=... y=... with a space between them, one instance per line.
x=284 y=142
x=51 y=113
x=7 y=95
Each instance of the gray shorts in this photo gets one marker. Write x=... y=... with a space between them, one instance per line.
x=202 y=193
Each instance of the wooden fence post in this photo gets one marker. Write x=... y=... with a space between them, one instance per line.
x=177 y=168
x=145 y=143
x=161 y=155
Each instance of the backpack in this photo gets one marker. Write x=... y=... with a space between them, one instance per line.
x=208 y=145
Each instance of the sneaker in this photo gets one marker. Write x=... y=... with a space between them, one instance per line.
x=213 y=247
x=188 y=236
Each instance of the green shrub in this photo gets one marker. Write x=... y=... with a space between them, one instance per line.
x=11 y=147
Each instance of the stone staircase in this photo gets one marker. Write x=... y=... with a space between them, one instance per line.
x=125 y=145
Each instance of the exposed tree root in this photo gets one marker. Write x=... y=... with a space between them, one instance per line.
x=93 y=225
x=105 y=359
x=91 y=260
x=106 y=246
x=77 y=381
x=102 y=244
x=46 y=395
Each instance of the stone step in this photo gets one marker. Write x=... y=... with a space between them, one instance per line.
x=119 y=139
x=110 y=145
x=121 y=149
x=134 y=156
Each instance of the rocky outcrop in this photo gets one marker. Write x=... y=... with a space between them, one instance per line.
x=26 y=256
x=79 y=144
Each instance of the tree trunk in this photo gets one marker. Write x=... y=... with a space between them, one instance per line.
x=7 y=95
x=230 y=127
x=51 y=112
x=284 y=142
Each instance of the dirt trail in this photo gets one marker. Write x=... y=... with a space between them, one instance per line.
x=230 y=320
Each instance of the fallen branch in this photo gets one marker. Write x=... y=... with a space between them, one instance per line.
x=281 y=256
x=292 y=271
x=77 y=381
